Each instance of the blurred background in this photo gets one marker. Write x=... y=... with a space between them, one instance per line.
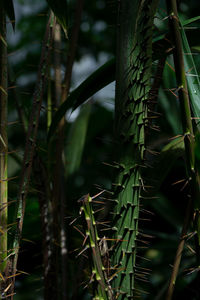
x=96 y=45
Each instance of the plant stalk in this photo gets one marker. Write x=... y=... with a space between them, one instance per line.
x=188 y=134
x=59 y=201
x=133 y=76
x=29 y=149
x=3 y=150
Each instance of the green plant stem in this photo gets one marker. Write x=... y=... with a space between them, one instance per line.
x=3 y=149
x=102 y=289
x=133 y=75
x=188 y=134
x=179 y=251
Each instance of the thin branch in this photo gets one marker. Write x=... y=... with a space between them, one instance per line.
x=58 y=184
x=179 y=251
x=188 y=133
x=72 y=49
x=42 y=186
x=3 y=151
x=30 y=146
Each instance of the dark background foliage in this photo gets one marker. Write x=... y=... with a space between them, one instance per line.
x=96 y=45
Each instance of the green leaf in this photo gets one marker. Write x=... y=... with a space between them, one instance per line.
x=76 y=140
x=189 y=21
x=192 y=78
x=9 y=8
x=60 y=10
x=99 y=79
x=169 y=105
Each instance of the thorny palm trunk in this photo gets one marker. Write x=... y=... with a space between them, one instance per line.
x=132 y=93
x=3 y=149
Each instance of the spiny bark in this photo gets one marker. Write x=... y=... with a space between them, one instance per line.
x=134 y=56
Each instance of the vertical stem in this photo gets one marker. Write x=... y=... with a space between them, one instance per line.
x=42 y=185
x=189 y=139
x=49 y=101
x=29 y=149
x=58 y=92
x=72 y=49
x=179 y=251
x=59 y=201
x=134 y=59
x=3 y=147
x=57 y=63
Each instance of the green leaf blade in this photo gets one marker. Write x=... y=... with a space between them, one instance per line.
x=76 y=140
x=95 y=82
x=192 y=78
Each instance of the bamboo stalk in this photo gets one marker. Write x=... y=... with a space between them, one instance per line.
x=59 y=201
x=29 y=149
x=57 y=63
x=72 y=49
x=188 y=133
x=179 y=251
x=3 y=149
x=42 y=186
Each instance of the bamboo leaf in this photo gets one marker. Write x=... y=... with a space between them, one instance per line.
x=192 y=77
x=189 y=21
x=168 y=102
x=76 y=140
x=96 y=81
x=9 y=8
x=60 y=10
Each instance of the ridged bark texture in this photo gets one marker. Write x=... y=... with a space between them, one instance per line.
x=134 y=59
x=3 y=150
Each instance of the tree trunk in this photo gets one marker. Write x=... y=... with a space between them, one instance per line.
x=134 y=54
